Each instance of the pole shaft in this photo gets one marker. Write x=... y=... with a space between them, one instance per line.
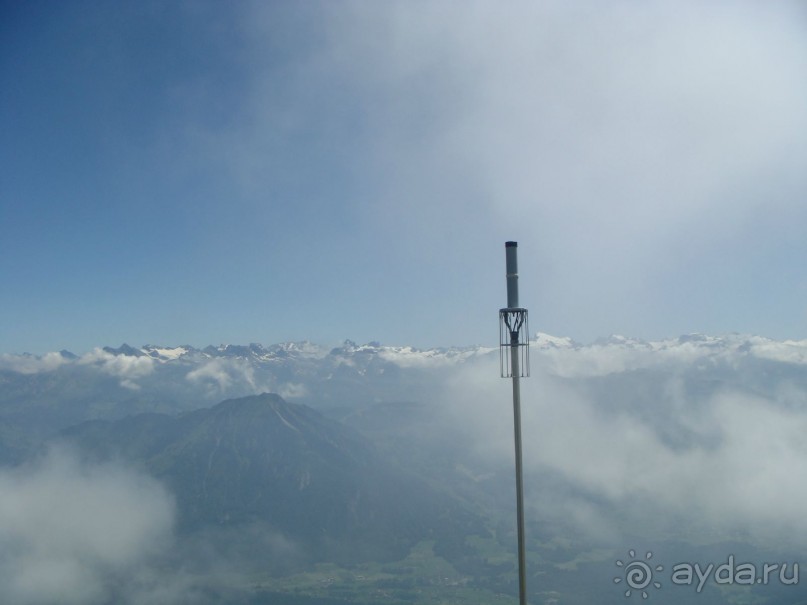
x=522 y=551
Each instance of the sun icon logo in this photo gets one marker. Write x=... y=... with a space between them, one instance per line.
x=638 y=574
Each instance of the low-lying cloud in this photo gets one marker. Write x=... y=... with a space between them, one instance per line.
x=31 y=364
x=238 y=377
x=727 y=458
x=128 y=368
x=222 y=376
x=73 y=533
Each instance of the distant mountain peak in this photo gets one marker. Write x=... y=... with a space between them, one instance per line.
x=543 y=340
x=621 y=341
x=264 y=410
x=260 y=459
x=252 y=403
x=125 y=349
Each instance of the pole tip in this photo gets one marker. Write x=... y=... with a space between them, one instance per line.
x=510 y=244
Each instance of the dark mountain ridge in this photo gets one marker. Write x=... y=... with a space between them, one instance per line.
x=259 y=459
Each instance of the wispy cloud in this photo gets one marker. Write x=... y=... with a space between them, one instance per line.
x=292 y=390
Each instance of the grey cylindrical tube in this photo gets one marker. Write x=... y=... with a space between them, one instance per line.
x=522 y=544
x=511 y=252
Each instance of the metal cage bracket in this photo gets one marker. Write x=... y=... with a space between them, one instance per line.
x=514 y=343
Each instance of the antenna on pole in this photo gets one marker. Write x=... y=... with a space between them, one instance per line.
x=514 y=362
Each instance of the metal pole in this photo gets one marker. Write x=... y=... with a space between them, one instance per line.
x=514 y=318
x=522 y=552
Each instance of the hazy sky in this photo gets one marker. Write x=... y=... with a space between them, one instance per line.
x=205 y=172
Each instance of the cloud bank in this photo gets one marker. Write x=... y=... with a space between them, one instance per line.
x=667 y=446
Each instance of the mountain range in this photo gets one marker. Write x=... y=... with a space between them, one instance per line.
x=61 y=388
x=295 y=455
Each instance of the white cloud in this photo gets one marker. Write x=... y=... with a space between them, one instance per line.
x=69 y=531
x=215 y=371
x=29 y=364
x=229 y=376
x=128 y=368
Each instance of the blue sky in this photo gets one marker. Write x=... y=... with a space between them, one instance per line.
x=206 y=172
